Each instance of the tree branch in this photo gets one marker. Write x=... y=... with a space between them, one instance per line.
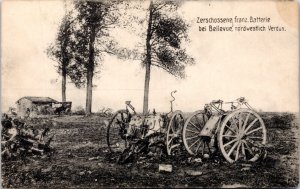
x=164 y=68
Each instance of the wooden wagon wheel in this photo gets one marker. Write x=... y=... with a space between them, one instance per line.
x=174 y=132
x=242 y=136
x=116 y=131
x=193 y=142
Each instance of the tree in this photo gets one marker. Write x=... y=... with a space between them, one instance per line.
x=164 y=38
x=61 y=50
x=94 y=19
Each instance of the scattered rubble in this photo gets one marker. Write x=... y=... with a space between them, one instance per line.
x=198 y=160
x=20 y=140
x=245 y=167
x=193 y=173
x=93 y=158
x=81 y=173
x=165 y=168
x=234 y=186
x=206 y=156
x=65 y=171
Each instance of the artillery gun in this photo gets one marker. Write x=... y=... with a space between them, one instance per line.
x=239 y=133
x=131 y=133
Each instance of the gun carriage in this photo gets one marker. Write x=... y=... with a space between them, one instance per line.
x=238 y=133
x=131 y=132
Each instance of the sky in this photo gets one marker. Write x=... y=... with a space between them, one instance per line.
x=261 y=66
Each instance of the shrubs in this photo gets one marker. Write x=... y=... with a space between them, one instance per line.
x=104 y=112
x=284 y=119
x=78 y=110
x=278 y=120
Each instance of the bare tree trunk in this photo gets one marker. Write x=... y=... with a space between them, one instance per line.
x=146 y=88
x=89 y=90
x=148 y=61
x=63 y=85
x=64 y=71
x=90 y=72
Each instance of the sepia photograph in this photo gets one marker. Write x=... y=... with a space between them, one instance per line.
x=149 y=94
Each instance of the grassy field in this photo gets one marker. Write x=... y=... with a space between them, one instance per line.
x=81 y=159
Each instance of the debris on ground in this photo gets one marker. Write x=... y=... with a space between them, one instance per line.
x=150 y=146
x=245 y=167
x=234 y=186
x=20 y=140
x=198 y=160
x=165 y=168
x=275 y=171
x=193 y=173
x=81 y=173
x=47 y=170
x=94 y=158
x=194 y=160
x=206 y=156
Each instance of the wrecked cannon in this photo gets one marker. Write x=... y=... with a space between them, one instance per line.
x=238 y=134
x=18 y=139
x=130 y=134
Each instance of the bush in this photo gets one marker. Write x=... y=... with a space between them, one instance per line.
x=278 y=120
x=283 y=120
x=78 y=110
x=104 y=112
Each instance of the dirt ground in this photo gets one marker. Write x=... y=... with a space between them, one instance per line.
x=81 y=160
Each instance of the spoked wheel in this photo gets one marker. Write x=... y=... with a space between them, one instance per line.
x=193 y=142
x=174 y=133
x=242 y=136
x=116 y=131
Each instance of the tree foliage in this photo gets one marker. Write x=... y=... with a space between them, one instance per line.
x=61 y=50
x=164 y=33
x=93 y=21
x=167 y=33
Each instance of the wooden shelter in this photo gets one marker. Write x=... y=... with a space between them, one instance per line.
x=31 y=106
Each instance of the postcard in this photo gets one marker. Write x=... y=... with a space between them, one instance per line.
x=152 y=93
